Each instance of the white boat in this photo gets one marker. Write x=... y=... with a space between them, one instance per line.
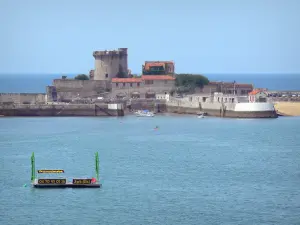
x=144 y=113
x=200 y=115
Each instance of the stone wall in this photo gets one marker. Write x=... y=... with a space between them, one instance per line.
x=150 y=104
x=22 y=98
x=226 y=89
x=68 y=89
x=158 y=86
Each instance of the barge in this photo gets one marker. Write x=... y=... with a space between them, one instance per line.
x=38 y=182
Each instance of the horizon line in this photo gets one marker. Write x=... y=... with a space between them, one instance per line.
x=203 y=73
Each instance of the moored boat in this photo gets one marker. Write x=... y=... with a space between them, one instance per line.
x=144 y=113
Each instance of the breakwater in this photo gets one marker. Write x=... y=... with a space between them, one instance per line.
x=62 y=110
x=221 y=112
x=193 y=105
x=157 y=106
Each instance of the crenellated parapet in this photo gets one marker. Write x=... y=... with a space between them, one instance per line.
x=119 y=52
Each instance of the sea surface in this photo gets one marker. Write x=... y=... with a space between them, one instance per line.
x=190 y=171
x=37 y=83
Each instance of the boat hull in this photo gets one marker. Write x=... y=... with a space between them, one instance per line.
x=67 y=185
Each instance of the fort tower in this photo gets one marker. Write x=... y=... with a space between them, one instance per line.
x=110 y=64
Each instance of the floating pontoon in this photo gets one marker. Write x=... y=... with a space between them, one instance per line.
x=62 y=182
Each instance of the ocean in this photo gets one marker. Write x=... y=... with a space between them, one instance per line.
x=188 y=172
x=37 y=83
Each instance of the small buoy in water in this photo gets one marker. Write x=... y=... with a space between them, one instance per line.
x=25 y=185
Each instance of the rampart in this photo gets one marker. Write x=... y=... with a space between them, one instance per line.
x=127 y=89
x=22 y=98
x=69 y=88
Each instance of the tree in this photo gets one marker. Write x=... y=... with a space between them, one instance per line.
x=121 y=74
x=188 y=82
x=135 y=76
x=82 y=77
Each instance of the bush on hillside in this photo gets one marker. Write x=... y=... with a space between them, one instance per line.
x=188 y=82
x=82 y=77
x=121 y=74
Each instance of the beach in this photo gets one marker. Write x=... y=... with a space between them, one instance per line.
x=288 y=108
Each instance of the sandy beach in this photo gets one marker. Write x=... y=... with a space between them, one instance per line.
x=288 y=108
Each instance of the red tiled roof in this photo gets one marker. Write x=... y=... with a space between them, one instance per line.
x=157 y=77
x=148 y=65
x=144 y=77
x=169 y=62
x=255 y=91
x=126 y=80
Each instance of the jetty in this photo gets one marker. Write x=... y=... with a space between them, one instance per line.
x=38 y=182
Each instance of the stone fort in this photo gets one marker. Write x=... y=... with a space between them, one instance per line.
x=111 y=78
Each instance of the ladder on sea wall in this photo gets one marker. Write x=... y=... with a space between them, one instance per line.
x=102 y=109
x=223 y=110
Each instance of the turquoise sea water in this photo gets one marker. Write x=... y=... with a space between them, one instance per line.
x=189 y=171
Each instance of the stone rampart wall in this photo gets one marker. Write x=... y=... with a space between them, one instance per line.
x=69 y=88
x=126 y=89
x=22 y=98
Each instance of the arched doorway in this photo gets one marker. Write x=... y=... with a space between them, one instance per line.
x=121 y=95
x=150 y=94
x=135 y=94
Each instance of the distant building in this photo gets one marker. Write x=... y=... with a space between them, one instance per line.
x=147 y=86
x=228 y=88
x=258 y=95
x=158 y=68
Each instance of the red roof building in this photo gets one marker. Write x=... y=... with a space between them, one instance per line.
x=126 y=80
x=142 y=78
x=157 y=77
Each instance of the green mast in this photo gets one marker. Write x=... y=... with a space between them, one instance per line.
x=97 y=166
x=32 y=167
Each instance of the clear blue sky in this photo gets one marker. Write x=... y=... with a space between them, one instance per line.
x=201 y=36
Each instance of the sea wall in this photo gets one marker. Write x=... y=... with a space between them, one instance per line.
x=157 y=106
x=257 y=106
x=62 y=110
x=22 y=98
x=234 y=110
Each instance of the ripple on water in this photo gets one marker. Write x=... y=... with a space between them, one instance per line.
x=189 y=171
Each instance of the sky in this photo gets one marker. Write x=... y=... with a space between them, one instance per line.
x=200 y=36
